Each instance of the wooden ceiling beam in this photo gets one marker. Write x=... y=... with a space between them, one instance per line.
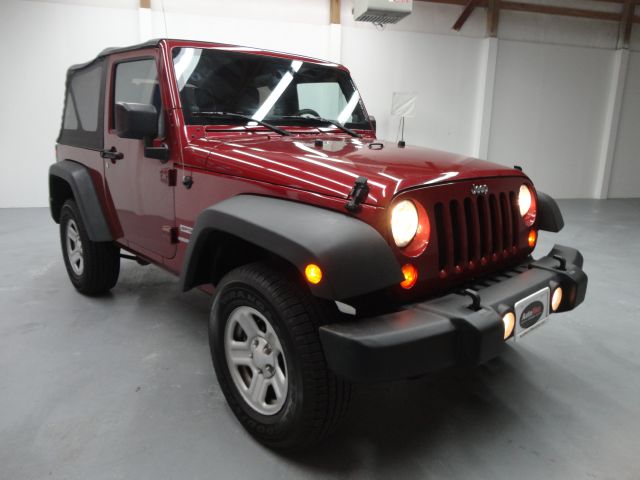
x=563 y=11
x=466 y=12
x=546 y=9
x=493 y=17
x=334 y=11
x=626 y=24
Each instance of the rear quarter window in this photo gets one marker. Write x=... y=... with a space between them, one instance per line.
x=83 y=110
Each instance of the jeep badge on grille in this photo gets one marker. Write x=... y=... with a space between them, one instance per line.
x=479 y=189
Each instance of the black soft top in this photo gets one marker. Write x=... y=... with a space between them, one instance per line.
x=108 y=51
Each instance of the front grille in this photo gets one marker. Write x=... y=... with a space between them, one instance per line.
x=475 y=230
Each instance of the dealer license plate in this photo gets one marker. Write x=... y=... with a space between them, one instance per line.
x=531 y=312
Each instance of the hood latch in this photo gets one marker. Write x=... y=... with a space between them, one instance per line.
x=358 y=194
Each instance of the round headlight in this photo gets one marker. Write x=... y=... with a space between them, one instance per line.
x=527 y=205
x=404 y=222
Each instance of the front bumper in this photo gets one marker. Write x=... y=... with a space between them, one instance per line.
x=447 y=331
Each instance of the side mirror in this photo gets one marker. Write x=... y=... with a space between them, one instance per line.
x=140 y=121
x=374 y=123
x=136 y=120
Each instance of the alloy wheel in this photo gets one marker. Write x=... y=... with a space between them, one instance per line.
x=74 y=248
x=256 y=360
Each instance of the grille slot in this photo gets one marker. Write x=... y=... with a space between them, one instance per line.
x=507 y=229
x=475 y=228
x=442 y=236
x=485 y=231
x=514 y=216
x=454 y=210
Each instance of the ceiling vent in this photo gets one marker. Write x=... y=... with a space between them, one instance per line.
x=381 y=12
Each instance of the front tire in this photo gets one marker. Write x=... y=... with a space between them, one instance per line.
x=266 y=351
x=93 y=267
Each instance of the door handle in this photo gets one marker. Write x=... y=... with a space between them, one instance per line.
x=112 y=154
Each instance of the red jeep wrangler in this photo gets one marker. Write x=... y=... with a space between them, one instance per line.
x=334 y=257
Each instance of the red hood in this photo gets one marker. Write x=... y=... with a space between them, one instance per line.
x=333 y=168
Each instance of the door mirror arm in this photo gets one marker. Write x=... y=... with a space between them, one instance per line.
x=160 y=152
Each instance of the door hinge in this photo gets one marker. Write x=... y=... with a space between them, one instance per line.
x=171 y=232
x=169 y=176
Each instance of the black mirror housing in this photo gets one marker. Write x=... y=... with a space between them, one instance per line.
x=136 y=120
x=374 y=123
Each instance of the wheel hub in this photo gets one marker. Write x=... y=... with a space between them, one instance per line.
x=262 y=356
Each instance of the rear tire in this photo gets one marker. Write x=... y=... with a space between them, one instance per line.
x=259 y=309
x=93 y=267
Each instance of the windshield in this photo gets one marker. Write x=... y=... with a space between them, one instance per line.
x=268 y=89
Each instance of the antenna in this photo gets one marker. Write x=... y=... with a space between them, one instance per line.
x=403 y=105
x=164 y=18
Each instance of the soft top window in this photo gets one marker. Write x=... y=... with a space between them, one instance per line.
x=83 y=111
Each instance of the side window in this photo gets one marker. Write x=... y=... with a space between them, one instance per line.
x=82 y=120
x=137 y=82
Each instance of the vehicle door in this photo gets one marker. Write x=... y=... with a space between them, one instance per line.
x=140 y=187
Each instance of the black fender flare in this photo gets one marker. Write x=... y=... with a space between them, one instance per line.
x=78 y=178
x=354 y=258
x=549 y=214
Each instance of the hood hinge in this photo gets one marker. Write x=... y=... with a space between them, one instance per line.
x=169 y=176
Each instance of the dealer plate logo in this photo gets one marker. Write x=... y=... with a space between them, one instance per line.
x=531 y=314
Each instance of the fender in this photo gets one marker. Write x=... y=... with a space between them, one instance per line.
x=78 y=178
x=549 y=213
x=342 y=246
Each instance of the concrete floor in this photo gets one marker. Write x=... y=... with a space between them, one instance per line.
x=122 y=386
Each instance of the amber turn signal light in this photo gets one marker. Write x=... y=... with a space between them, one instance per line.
x=313 y=273
x=410 y=276
x=533 y=237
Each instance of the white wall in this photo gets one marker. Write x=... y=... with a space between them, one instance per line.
x=625 y=174
x=40 y=40
x=443 y=74
x=283 y=25
x=547 y=112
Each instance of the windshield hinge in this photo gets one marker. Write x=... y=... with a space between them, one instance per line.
x=169 y=176
x=358 y=194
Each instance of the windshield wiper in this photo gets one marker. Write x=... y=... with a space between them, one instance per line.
x=335 y=123
x=245 y=117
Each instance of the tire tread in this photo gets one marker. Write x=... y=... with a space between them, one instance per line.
x=101 y=259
